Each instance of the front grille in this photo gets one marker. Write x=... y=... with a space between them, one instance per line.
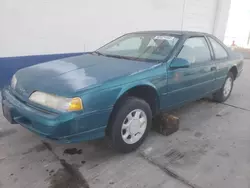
x=15 y=94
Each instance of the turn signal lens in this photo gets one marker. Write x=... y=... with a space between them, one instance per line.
x=75 y=104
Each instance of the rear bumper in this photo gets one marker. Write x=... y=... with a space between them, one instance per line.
x=64 y=127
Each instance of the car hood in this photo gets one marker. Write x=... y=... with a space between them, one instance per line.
x=66 y=76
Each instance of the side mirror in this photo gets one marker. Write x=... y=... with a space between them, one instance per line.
x=179 y=63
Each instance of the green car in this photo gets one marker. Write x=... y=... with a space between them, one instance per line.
x=116 y=90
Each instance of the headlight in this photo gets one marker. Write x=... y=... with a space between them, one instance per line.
x=13 y=82
x=56 y=102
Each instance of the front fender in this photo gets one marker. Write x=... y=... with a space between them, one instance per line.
x=105 y=99
x=105 y=96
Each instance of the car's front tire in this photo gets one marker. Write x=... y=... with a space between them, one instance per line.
x=130 y=124
x=224 y=93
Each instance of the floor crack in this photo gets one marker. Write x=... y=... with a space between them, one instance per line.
x=237 y=107
x=170 y=172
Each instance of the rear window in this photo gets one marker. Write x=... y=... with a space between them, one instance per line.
x=219 y=51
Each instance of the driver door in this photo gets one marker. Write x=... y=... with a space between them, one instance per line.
x=195 y=81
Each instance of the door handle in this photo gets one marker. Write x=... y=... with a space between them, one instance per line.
x=213 y=69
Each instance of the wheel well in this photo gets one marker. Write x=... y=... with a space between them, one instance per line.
x=146 y=93
x=234 y=71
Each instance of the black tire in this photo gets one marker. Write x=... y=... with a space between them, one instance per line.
x=219 y=95
x=123 y=109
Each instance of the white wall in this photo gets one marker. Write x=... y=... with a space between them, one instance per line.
x=221 y=18
x=199 y=15
x=31 y=27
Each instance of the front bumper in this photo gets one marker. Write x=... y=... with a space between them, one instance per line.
x=63 y=127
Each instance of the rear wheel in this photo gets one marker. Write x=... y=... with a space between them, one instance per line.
x=130 y=124
x=224 y=93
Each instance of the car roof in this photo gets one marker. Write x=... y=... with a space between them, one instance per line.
x=173 y=32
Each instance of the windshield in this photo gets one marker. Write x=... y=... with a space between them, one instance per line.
x=138 y=46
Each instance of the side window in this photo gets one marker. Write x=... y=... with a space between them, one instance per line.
x=195 y=50
x=219 y=51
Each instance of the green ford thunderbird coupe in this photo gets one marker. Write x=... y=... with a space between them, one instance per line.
x=116 y=90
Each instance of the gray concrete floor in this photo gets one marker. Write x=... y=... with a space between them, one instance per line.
x=211 y=149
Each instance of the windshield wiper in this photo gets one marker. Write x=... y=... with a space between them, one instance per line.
x=98 y=53
x=122 y=57
x=119 y=56
x=109 y=55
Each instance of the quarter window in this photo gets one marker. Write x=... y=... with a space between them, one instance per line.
x=219 y=51
x=195 y=50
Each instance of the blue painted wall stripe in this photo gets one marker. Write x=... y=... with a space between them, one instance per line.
x=9 y=65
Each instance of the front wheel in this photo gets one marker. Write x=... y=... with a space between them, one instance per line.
x=131 y=124
x=224 y=93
